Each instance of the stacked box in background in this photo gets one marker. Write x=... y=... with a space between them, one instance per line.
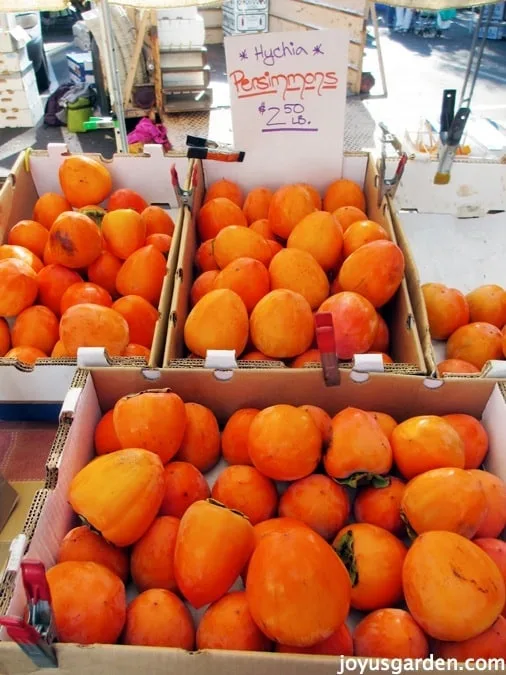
x=245 y=16
x=497 y=28
x=20 y=104
x=80 y=68
x=213 y=23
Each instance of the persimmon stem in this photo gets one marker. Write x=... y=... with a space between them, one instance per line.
x=344 y=549
x=361 y=478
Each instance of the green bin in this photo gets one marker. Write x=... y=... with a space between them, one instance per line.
x=78 y=113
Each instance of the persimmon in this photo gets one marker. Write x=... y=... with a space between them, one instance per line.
x=88 y=602
x=263 y=228
x=5 y=337
x=256 y=205
x=124 y=198
x=25 y=354
x=201 y=443
x=225 y=188
x=374 y=270
x=311 y=356
x=74 y=241
x=105 y=438
x=204 y=256
x=382 y=338
x=157 y=221
x=53 y=281
x=104 y=270
x=340 y=643
x=152 y=559
x=247 y=277
x=317 y=501
x=245 y=489
x=319 y=234
x=119 y=493
x=275 y=247
x=84 y=292
x=8 y=251
x=374 y=558
x=453 y=590
x=89 y=325
x=496 y=549
x=184 y=484
x=219 y=320
x=381 y=506
x=298 y=271
x=234 y=241
x=158 y=618
x=30 y=235
x=347 y=215
x=288 y=206
x=360 y=233
x=343 y=192
x=227 y=624
x=386 y=422
x=124 y=232
x=255 y=355
x=426 y=442
x=355 y=323
x=84 y=181
x=457 y=366
x=133 y=349
x=391 y=634
x=284 y=443
x=48 y=207
x=474 y=437
x=202 y=285
x=225 y=541
x=59 y=351
x=314 y=194
x=447 y=310
x=142 y=274
x=358 y=446
x=488 y=645
x=282 y=325
x=217 y=214
x=154 y=420
x=487 y=304
x=234 y=438
x=495 y=493
x=476 y=343
x=83 y=544
x=322 y=420
x=444 y=499
x=140 y=316
x=298 y=590
x=37 y=327
x=160 y=241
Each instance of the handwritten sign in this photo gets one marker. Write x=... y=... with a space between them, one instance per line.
x=288 y=99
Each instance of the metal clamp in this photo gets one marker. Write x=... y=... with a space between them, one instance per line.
x=36 y=635
x=388 y=186
x=326 y=342
x=202 y=148
x=184 y=197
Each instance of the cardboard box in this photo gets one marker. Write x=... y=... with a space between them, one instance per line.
x=36 y=173
x=405 y=343
x=451 y=234
x=80 y=68
x=13 y=40
x=97 y=391
x=237 y=22
x=21 y=107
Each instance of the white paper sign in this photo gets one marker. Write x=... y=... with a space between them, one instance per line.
x=288 y=98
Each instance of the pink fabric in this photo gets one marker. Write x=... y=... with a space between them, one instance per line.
x=147 y=132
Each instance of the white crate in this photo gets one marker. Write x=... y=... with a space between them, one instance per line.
x=246 y=6
x=18 y=81
x=237 y=23
x=25 y=97
x=181 y=32
x=13 y=40
x=15 y=62
x=20 y=117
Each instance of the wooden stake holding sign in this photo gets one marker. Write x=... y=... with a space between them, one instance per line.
x=288 y=100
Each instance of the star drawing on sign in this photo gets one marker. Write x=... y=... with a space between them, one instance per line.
x=317 y=49
x=243 y=55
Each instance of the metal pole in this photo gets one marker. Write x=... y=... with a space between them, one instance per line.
x=114 y=82
x=471 y=66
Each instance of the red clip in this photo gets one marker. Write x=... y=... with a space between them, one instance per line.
x=174 y=177
x=195 y=177
x=326 y=342
x=35 y=582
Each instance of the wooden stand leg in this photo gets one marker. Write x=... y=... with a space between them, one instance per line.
x=374 y=19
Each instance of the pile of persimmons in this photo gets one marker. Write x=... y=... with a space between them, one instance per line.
x=474 y=325
x=268 y=261
x=78 y=275
x=303 y=519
